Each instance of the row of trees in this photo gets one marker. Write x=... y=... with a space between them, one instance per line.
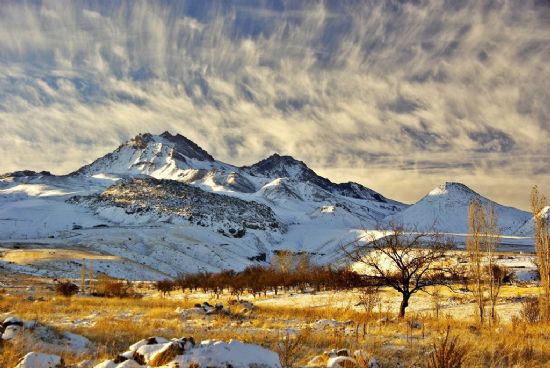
x=258 y=280
x=407 y=261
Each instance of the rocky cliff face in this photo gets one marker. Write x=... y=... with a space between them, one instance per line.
x=172 y=201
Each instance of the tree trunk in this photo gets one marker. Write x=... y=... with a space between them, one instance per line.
x=404 y=305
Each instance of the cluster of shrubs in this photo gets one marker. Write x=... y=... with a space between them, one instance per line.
x=103 y=286
x=258 y=280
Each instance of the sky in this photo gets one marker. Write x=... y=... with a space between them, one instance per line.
x=397 y=95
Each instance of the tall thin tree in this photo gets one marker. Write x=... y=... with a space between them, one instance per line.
x=542 y=247
x=481 y=245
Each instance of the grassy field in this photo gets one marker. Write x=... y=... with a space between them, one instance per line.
x=113 y=324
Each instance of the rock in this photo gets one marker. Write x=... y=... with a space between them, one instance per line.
x=76 y=342
x=317 y=361
x=414 y=324
x=29 y=324
x=184 y=352
x=146 y=353
x=167 y=354
x=373 y=363
x=341 y=362
x=323 y=324
x=120 y=358
x=106 y=364
x=147 y=341
x=212 y=353
x=12 y=321
x=127 y=354
x=186 y=343
x=11 y=332
x=129 y=364
x=85 y=364
x=40 y=360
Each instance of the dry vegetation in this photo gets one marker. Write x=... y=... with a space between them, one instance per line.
x=114 y=323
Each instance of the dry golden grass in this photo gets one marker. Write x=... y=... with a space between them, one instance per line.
x=117 y=323
x=30 y=256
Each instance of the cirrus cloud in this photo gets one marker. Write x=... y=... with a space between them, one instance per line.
x=397 y=94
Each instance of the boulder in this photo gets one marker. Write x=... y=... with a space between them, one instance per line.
x=341 y=362
x=40 y=360
x=77 y=343
x=214 y=353
x=342 y=352
x=166 y=355
x=12 y=321
x=317 y=361
x=11 y=332
x=148 y=341
x=184 y=352
x=145 y=353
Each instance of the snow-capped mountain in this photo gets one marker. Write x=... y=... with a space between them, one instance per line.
x=160 y=204
x=164 y=202
x=445 y=209
x=163 y=156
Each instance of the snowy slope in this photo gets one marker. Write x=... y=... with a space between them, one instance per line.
x=445 y=209
x=527 y=228
x=159 y=205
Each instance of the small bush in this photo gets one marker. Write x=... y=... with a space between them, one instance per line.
x=165 y=286
x=107 y=286
x=66 y=288
x=448 y=353
x=288 y=347
x=530 y=310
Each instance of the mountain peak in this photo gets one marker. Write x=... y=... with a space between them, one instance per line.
x=280 y=166
x=186 y=147
x=451 y=188
x=147 y=153
x=182 y=146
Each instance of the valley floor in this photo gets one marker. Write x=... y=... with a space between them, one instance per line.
x=316 y=321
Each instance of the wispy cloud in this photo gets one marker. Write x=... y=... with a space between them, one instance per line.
x=423 y=90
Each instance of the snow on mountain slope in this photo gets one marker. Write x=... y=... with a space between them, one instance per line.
x=528 y=227
x=163 y=156
x=159 y=205
x=445 y=209
x=276 y=166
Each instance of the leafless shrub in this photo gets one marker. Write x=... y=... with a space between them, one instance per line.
x=66 y=288
x=288 y=347
x=530 y=310
x=448 y=353
x=108 y=286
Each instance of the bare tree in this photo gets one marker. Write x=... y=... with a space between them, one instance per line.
x=481 y=245
x=542 y=247
x=368 y=299
x=474 y=247
x=408 y=262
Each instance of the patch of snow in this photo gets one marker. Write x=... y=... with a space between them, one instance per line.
x=40 y=360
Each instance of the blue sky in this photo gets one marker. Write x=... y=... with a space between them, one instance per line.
x=397 y=95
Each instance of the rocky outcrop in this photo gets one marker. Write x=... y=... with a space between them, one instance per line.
x=169 y=198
